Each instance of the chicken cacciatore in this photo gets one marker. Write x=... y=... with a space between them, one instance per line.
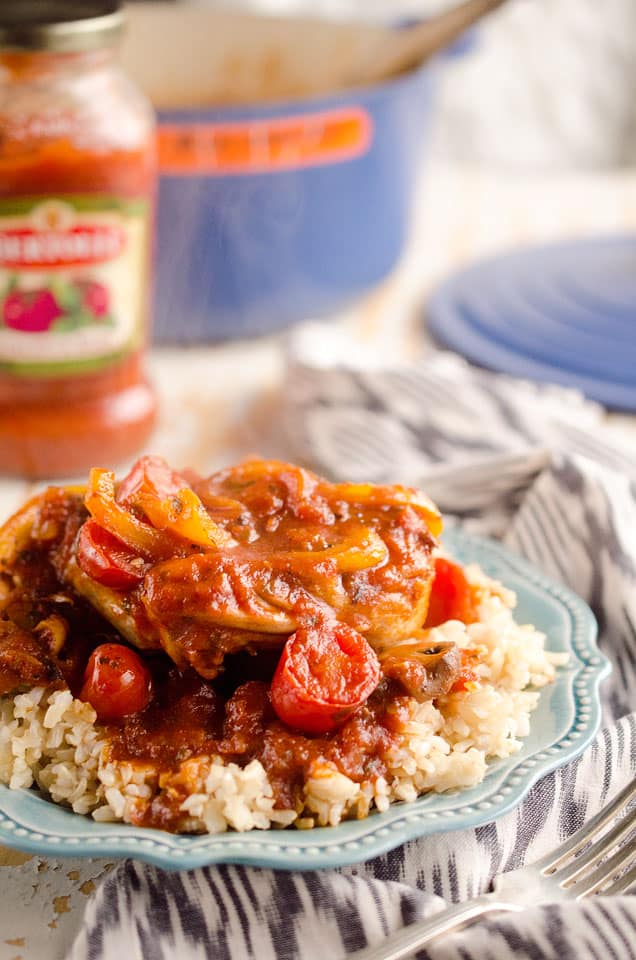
x=261 y=611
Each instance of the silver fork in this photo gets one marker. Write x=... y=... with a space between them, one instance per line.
x=560 y=875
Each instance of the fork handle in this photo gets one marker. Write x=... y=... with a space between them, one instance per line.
x=416 y=935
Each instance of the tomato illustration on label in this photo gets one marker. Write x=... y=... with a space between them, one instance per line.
x=33 y=312
x=94 y=298
x=59 y=307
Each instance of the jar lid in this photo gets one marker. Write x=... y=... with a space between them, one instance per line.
x=61 y=26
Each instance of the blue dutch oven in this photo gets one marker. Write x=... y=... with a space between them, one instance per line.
x=246 y=246
x=240 y=254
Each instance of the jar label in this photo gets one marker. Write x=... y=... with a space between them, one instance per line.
x=73 y=283
x=264 y=146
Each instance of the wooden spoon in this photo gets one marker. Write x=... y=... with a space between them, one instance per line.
x=389 y=52
x=186 y=55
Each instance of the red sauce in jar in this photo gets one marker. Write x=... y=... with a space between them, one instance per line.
x=77 y=182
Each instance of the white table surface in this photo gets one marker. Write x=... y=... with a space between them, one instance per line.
x=215 y=403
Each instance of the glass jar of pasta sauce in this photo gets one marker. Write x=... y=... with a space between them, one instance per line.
x=77 y=182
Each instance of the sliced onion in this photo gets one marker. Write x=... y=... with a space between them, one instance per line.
x=360 y=551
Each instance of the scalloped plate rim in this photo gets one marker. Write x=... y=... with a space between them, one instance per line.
x=506 y=783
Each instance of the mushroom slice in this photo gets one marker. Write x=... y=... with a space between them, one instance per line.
x=425 y=671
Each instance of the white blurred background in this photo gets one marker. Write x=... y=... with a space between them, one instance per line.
x=547 y=84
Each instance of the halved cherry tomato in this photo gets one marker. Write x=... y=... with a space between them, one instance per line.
x=106 y=559
x=325 y=674
x=116 y=682
x=451 y=595
x=150 y=475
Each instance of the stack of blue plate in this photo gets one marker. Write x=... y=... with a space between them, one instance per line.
x=563 y=313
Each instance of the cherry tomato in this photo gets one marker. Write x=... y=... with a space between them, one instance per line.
x=104 y=558
x=150 y=475
x=116 y=682
x=324 y=674
x=451 y=595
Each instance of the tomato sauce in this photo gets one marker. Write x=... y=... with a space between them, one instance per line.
x=189 y=717
x=77 y=183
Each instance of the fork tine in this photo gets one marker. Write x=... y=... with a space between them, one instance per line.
x=571 y=846
x=627 y=880
x=598 y=849
x=605 y=871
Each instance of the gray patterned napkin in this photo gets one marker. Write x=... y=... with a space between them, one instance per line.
x=536 y=466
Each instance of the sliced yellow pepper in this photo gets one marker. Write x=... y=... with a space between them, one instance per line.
x=370 y=494
x=184 y=515
x=102 y=506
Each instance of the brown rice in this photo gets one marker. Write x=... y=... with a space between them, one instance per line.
x=52 y=740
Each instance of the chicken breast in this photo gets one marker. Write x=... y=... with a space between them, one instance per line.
x=303 y=549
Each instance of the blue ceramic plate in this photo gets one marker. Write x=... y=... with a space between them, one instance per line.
x=565 y=721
